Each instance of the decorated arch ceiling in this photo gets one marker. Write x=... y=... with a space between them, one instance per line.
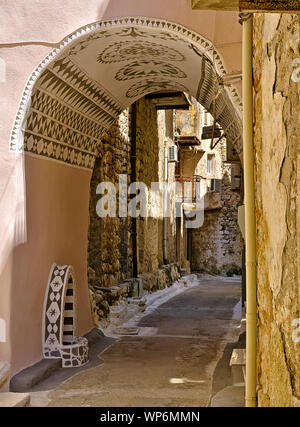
x=78 y=91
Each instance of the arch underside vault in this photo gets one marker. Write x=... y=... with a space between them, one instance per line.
x=80 y=88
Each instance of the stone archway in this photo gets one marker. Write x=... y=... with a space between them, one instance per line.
x=69 y=102
x=102 y=68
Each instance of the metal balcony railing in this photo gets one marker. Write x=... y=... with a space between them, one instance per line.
x=188 y=191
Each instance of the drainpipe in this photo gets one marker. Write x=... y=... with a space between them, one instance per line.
x=250 y=228
x=133 y=179
x=165 y=201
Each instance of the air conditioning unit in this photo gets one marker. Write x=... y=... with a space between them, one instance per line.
x=173 y=153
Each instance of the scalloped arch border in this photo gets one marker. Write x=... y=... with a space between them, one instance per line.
x=206 y=47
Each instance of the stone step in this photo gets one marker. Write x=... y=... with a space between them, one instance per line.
x=9 y=400
x=238 y=366
x=117 y=313
x=232 y=396
x=4 y=375
x=138 y=301
x=126 y=331
x=35 y=374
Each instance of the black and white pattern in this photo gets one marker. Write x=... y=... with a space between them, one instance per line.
x=80 y=88
x=149 y=69
x=143 y=50
x=59 y=340
x=153 y=85
x=75 y=353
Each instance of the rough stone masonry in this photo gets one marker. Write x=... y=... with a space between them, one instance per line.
x=277 y=112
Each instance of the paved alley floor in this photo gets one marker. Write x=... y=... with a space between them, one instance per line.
x=170 y=362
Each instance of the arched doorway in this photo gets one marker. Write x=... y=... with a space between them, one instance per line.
x=70 y=101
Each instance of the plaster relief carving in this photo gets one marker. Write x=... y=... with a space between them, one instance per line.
x=148 y=69
x=127 y=50
x=143 y=87
x=81 y=87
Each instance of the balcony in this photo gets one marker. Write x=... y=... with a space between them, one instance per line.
x=190 y=190
x=212 y=197
x=207 y=132
x=188 y=141
x=170 y=100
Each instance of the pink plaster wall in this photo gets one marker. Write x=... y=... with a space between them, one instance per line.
x=51 y=21
x=57 y=201
x=57 y=195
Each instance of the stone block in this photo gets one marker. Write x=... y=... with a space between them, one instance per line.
x=117 y=313
x=4 y=375
x=10 y=400
x=91 y=275
x=238 y=366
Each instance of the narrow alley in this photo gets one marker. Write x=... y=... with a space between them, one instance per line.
x=150 y=203
x=170 y=362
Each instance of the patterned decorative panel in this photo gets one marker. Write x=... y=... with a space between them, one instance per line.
x=74 y=354
x=77 y=92
x=59 y=340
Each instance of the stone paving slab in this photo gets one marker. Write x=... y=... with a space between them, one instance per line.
x=231 y=396
x=174 y=366
x=9 y=400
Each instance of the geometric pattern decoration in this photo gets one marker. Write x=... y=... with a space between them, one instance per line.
x=81 y=87
x=59 y=340
x=135 y=50
x=75 y=354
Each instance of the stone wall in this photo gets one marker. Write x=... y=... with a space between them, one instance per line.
x=154 y=133
x=149 y=229
x=109 y=253
x=110 y=240
x=277 y=112
x=217 y=244
x=165 y=121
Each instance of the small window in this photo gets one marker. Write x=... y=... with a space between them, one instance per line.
x=235 y=177
x=204 y=116
x=210 y=164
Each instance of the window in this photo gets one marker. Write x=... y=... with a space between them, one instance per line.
x=210 y=164
x=204 y=116
x=235 y=177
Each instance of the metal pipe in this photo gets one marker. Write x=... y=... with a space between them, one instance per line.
x=165 y=201
x=133 y=179
x=250 y=227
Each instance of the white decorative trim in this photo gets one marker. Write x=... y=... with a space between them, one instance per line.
x=200 y=43
x=59 y=320
x=49 y=159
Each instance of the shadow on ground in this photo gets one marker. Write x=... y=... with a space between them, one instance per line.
x=222 y=375
x=48 y=373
